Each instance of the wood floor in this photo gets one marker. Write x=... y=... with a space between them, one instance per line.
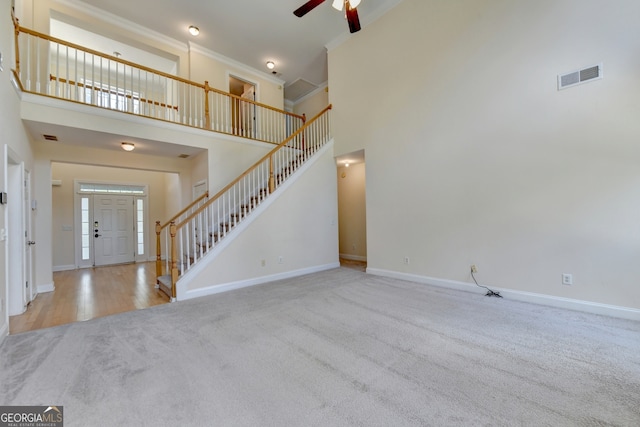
x=356 y=265
x=89 y=293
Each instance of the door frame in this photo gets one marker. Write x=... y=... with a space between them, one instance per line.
x=256 y=93
x=19 y=291
x=77 y=220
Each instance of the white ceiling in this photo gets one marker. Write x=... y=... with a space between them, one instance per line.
x=250 y=31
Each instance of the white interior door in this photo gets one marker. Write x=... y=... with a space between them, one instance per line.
x=17 y=289
x=28 y=257
x=113 y=230
x=247 y=112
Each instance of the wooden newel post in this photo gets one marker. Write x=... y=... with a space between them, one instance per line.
x=158 y=250
x=272 y=179
x=207 y=116
x=174 y=259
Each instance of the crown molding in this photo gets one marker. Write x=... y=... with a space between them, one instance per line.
x=365 y=20
x=125 y=24
x=193 y=47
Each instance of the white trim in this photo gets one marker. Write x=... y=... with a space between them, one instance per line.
x=193 y=47
x=530 y=297
x=289 y=105
x=63 y=268
x=77 y=234
x=354 y=257
x=246 y=79
x=323 y=86
x=123 y=23
x=47 y=287
x=364 y=20
x=215 y=289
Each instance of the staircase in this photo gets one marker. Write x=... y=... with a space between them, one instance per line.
x=192 y=234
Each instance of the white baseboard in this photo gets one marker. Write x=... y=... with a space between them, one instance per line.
x=47 y=287
x=63 y=268
x=215 y=289
x=530 y=297
x=354 y=257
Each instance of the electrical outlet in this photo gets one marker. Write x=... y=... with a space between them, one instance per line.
x=567 y=279
x=280 y=259
x=474 y=269
x=406 y=260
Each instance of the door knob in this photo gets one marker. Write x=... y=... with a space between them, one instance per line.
x=98 y=235
x=31 y=242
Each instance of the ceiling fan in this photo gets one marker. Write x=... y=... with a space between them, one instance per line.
x=350 y=11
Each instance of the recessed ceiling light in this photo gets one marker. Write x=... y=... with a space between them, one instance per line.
x=193 y=30
x=271 y=65
x=128 y=146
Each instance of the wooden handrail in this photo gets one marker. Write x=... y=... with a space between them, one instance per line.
x=189 y=206
x=204 y=87
x=248 y=171
x=115 y=92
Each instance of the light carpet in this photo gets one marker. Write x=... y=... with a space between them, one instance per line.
x=335 y=348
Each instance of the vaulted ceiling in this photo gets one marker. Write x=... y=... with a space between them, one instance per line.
x=252 y=32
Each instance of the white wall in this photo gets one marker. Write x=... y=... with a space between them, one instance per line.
x=475 y=157
x=300 y=225
x=13 y=137
x=313 y=103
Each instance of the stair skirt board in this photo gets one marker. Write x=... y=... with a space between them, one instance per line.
x=225 y=287
x=164 y=284
x=183 y=280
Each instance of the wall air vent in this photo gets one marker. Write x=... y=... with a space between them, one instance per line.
x=50 y=137
x=183 y=156
x=584 y=75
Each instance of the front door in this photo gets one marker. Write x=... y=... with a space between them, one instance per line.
x=113 y=229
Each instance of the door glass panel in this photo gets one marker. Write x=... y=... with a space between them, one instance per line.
x=85 y=227
x=140 y=225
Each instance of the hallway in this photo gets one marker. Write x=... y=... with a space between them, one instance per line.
x=89 y=293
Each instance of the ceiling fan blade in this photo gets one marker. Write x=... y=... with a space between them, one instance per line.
x=352 y=19
x=307 y=7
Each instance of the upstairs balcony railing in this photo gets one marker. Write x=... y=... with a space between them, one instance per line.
x=193 y=232
x=52 y=67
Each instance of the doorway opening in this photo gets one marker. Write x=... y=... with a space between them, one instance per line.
x=243 y=113
x=352 y=216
